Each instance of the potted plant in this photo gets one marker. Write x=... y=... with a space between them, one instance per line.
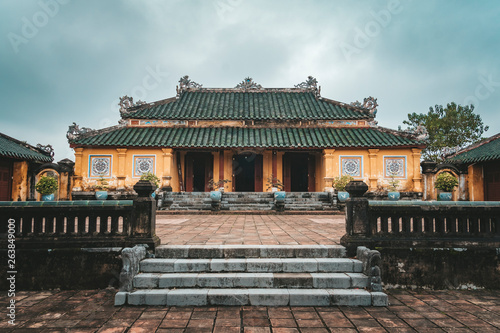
x=339 y=183
x=101 y=188
x=276 y=187
x=217 y=185
x=153 y=178
x=445 y=182
x=47 y=186
x=393 y=193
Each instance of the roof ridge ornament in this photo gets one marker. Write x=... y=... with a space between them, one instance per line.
x=419 y=132
x=248 y=83
x=74 y=131
x=46 y=149
x=310 y=84
x=369 y=103
x=127 y=102
x=185 y=83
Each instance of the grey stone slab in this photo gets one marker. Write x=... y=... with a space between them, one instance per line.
x=228 y=297
x=358 y=280
x=146 y=280
x=309 y=297
x=172 y=251
x=216 y=280
x=241 y=251
x=187 y=297
x=269 y=297
x=351 y=297
x=192 y=265
x=336 y=251
x=177 y=280
x=299 y=265
x=379 y=299
x=358 y=266
x=292 y=280
x=319 y=251
x=121 y=298
x=206 y=251
x=157 y=265
x=228 y=265
x=148 y=297
x=264 y=265
x=334 y=265
x=331 y=280
x=277 y=251
x=254 y=280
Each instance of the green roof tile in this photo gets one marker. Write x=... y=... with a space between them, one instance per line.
x=12 y=148
x=236 y=137
x=239 y=105
x=488 y=150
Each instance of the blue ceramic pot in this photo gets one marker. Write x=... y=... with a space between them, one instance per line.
x=101 y=195
x=394 y=196
x=342 y=196
x=279 y=196
x=48 y=197
x=153 y=195
x=215 y=196
x=445 y=196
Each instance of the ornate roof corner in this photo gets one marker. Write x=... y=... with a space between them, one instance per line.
x=185 y=83
x=46 y=149
x=122 y=122
x=74 y=131
x=420 y=132
x=127 y=102
x=248 y=83
x=369 y=104
x=310 y=84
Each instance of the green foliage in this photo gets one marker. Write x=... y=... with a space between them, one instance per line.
x=274 y=182
x=213 y=185
x=46 y=185
x=450 y=128
x=101 y=184
x=393 y=184
x=341 y=182
x=151 y=177
x=445 y=182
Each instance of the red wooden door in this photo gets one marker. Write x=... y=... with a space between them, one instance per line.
x=287 y=173
x=492 y=182
x=259 y=183
x=209 y=170
x=5 y=181
x=311 y=173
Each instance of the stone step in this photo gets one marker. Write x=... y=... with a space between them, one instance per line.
x=255 y=297
x=251 y=280
x=250 y=251
x=257 y=265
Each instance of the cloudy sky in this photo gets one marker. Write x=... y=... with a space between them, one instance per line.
x=64 y=61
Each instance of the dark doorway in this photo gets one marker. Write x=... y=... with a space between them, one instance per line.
x=298 y=172
x=5 y=180
x=492 y=181
x=199 y=170
x=247 y=173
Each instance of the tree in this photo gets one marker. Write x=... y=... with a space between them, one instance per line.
x=449 y=129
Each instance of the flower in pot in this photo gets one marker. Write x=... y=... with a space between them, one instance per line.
x=153 y=178
x=393 y=194
x=101 y=188
x=47 y=186
x=445 y=182
x=339 y=183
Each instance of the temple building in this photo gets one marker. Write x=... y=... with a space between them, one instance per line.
x=244 y=137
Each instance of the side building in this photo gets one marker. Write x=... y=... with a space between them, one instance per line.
x=243 y=137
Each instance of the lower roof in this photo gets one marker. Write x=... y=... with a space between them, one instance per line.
x=486 y=150
x=12 y=148
x=234 y=137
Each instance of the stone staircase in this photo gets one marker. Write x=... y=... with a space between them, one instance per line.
x=240 y=201
x=260 y=275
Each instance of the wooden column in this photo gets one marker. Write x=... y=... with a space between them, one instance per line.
x=167 y=168
x=221 y=165
x=122 y=175
x=275 y=165
x=373 y=177
x=78 y=170
x=417 y=176
x=328 y=163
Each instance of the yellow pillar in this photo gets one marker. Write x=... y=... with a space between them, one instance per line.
x=228 y=170
x=373 y=177
x=328 y=162
x=78 y=170
x=122 y=175
x=267 y=159
x=417 y=176
x=476 y=182
x=20 y=181
x=167 y=167
x=279 y=157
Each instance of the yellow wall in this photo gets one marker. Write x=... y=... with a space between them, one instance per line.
x=327 y=167
x=476 y=183
x=20 y=181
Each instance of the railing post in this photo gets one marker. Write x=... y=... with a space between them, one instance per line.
x=143 y=224
x=357 y=217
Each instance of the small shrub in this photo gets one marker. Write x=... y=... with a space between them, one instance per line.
x=274 y=182
x=214 y=185
x=339 y=183
x=446 y=182
x=46 y=185
x=101 y=184
x=393 y=184
x=151 y=177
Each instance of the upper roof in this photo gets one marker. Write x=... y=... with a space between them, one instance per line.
x=228 y=104
x=486 y=150
x=12 y=148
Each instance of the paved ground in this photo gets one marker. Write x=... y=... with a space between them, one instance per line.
x=93 y=311
x=250 y=229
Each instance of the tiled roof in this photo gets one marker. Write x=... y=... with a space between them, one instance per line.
x=233 y=137
x=268 y=104
x=486 y=150
x=12 y=148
